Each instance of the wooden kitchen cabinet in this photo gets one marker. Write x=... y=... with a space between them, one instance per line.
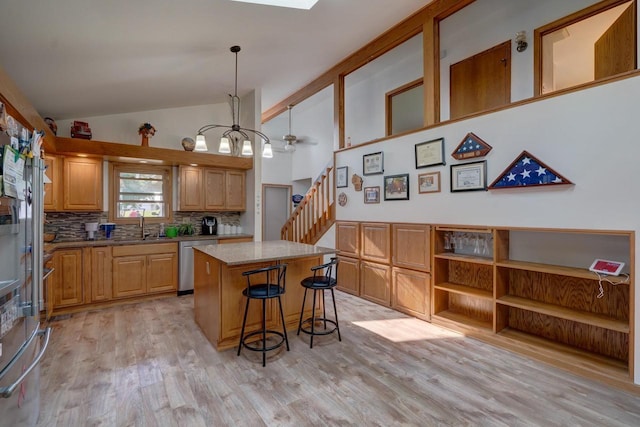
x=98 y=260
x=67 y=282
x=412 y=246
x=348 y=275
x=144 y=269
x=210 y=189
x=375 y=242
x=214 y=181
x=82 y=184
x=375 y=282
x=53 y=190
x=191 y=188
x=235 y=199
x=348 y=238
x=410 y=292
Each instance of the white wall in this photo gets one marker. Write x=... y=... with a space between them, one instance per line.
x=172 y=124
x=587 y=136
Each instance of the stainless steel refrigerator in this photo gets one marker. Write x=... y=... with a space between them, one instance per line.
x=22 y=341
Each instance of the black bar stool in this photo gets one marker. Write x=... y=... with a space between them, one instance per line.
x=264 y=291
x=321 y=281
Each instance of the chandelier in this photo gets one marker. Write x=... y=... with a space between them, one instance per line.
x=234 y=133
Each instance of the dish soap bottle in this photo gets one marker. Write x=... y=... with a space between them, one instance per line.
x=161 y=231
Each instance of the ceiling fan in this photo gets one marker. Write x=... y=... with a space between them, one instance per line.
x=290 y=139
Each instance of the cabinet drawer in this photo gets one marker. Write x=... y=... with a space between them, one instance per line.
x=145 y=249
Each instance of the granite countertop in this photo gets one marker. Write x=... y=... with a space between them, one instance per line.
x=248 y=252
x=149 y=240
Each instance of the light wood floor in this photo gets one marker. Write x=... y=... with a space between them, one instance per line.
x=148 y=364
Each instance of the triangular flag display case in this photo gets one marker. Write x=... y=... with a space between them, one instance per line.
x=471 y=146
x=527 y=171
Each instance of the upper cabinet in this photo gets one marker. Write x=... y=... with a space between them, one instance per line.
x=76 y=184
x=53 y=190
x=209 y=189
x=82 y=184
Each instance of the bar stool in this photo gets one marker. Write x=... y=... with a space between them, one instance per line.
x=321 y=281
x=264 y=291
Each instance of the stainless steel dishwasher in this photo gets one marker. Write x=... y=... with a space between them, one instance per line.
x=186 y=264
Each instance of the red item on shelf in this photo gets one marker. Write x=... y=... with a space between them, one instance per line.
x=80 y=130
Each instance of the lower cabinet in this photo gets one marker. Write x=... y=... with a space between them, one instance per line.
x=349 y=275
x=375 y=282
x=410 y=292
x=93 y=275
x=144 y=269
x=67 y=278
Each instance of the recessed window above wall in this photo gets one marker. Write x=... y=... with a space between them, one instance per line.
x=591 y=44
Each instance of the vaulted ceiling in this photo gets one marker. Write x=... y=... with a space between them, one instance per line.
x=80 y=58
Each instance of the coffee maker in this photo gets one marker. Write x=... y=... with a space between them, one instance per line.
x=209 y=226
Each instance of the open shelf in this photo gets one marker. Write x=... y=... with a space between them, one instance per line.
x=456 y=320
x=565 y=313
x=464 y=258
x=464 y=290
x=568 y=357
x=581 y=273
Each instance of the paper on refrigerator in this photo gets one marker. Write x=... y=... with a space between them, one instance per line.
x=13 y=173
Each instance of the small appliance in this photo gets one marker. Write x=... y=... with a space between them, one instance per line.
x=91 y=228
x=209 y=226
x=108 y=228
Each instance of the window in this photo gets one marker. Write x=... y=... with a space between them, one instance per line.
x=140 y=190
x=592 y=44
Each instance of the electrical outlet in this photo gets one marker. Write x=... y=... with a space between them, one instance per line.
x=185 y=220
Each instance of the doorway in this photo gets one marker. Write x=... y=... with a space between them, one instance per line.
x=482 y=81
x=276 y=209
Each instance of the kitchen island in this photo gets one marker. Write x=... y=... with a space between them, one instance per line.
x=218 y=285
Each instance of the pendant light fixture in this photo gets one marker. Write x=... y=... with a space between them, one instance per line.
x=234 y=133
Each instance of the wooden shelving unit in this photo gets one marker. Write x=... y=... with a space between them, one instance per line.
x=530 y=293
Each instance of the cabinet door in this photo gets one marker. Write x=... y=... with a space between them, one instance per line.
x=191 y=189
x=214 y=189
x=235 y=191
x=375 y=282
x=129 y=276
x=411 y=246
x=348 y=238
x=82 y=184
x=162 y=272
x=410 y=292
x=375 y=242
x=53 y=191
x=67 y=289
x=101 y=274
x=349 y=275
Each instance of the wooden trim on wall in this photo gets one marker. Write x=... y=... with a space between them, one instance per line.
x=338 y=111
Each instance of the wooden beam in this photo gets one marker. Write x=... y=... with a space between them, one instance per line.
x=127 y=152
x=391 y=38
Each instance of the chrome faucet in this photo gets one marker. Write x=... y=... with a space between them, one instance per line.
x=144 y=233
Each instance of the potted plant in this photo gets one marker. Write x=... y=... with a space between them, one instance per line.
x=185 y=230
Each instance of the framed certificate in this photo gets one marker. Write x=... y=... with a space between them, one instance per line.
x=469 y=176
x=373 y=164
x=341 y=177
x=430 y=153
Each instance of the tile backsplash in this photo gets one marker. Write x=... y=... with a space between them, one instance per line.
x=69 y=226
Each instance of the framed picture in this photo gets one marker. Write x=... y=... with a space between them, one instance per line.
x=429 y=183
x=430 y=153
x=396 y=187
x=373 y=164
x=341 y=177
x=372 y=194
x=469 y=176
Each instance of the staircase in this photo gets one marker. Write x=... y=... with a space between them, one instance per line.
x=316 y=212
